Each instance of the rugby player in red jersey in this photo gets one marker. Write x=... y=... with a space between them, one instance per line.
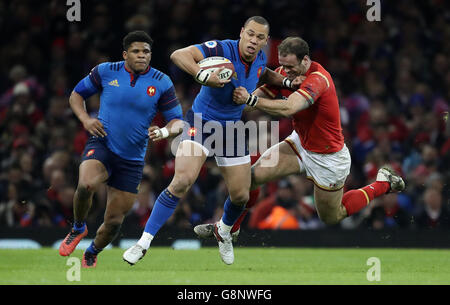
x=316 y=146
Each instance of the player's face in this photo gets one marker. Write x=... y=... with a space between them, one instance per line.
x=138 y=56
x=253 y=38
x=292 y=66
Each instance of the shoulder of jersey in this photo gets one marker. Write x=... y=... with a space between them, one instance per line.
x=112 y=66
x=156 y=74
x=230 y=45
x=280 y=70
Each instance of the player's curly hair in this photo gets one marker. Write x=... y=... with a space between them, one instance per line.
x=134 y=36
x=294 y=45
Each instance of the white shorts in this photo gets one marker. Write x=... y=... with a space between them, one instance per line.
x=327 y=171
x=224 y=161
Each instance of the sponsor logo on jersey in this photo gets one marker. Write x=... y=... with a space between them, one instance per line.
x=114 y=83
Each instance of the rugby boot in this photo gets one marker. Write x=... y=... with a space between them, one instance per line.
x=206 y=231
x=89 y=260
x=71 y=241
x=387 y=174
x=134 y=254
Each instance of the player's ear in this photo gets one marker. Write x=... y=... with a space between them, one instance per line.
x=305 y=59
x=242 y=32
x=124 y=55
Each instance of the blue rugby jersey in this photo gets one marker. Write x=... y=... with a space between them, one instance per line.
x=128 y=104
x=217 y=103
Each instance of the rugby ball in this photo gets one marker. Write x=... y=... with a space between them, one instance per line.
x=210 y=64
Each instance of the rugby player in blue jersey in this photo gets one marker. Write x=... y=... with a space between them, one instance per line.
x=214 y=106
x=131 y=94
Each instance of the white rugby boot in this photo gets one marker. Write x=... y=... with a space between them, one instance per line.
x=225 y=244
x=206 y=231
x=134 y=254
x=387 y=174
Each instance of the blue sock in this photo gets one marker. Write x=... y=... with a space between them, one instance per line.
x=93 y=249
x=79 y=226
x=162 y=210
x=231 y=212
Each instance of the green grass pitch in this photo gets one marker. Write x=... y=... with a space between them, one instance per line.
x=253 y=266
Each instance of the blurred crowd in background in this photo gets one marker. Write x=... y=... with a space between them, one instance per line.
x=392 y=77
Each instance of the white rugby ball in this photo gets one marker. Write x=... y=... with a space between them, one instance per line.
x=210 y=64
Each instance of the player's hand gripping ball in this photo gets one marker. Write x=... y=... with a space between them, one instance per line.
x=211 y=64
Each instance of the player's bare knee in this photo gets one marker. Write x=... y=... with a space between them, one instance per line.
x=181 y=186
x=84 y=191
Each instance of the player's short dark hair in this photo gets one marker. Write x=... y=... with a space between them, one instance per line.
x=258 y=19
x=294 y=45
x=134 y=36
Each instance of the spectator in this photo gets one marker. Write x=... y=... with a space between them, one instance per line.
x=277 y=212
x=307 y=215
x=15 y=212
x=387 y=212
x=434 y=213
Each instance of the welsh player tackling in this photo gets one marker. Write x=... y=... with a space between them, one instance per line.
x=316 y=146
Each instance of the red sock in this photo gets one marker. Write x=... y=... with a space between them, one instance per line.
x=251 y=202
x=355 y=200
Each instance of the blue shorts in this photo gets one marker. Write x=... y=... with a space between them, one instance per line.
x=216 y=138
x=124 y=175
x=227 y=142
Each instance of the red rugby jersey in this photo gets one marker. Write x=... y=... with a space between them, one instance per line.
x=318 y=126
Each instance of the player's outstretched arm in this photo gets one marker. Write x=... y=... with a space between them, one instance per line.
x=259 y=93
x=92 y=125
x=271 y=77
x=292 y=105
x=286 y=108
x=187 y=58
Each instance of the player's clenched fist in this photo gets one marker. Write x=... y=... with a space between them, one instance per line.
x=240 y=95
x=298 y=81
x=94 y=127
